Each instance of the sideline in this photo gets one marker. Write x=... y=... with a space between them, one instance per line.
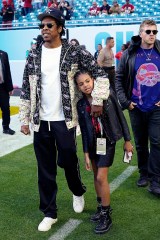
x=10 y=143
x=72 y=224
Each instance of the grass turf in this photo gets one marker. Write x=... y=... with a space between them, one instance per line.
x=135 y=211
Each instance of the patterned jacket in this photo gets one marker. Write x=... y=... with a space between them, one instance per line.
x=72 y=58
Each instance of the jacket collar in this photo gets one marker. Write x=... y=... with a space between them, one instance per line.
x=136 y=42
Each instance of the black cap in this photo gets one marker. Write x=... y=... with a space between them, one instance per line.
x=52 y=12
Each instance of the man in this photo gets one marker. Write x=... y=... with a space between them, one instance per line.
x=65 y=8
x=138 y=90
x=115 y=8
x=127 y=7
x=94 y=10
x=99 y=47
x=7 y=14
x=106 y=60
x=105 y=8
x=48 y=100
x=6 y=90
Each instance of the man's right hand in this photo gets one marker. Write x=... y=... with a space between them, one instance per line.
x=25 y=129
x=132 y=106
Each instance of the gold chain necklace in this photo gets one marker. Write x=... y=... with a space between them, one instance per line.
x=148 y=55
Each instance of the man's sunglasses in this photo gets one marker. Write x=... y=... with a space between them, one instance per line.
x=49 y=25
x=153 y=31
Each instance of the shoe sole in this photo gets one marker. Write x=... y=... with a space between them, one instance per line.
x=142 y=185
x=155 y=194
x=8 y=133
x=104 y=231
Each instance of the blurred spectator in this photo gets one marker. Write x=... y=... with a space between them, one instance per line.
x=7 y=13
x=128 y=44
x=37 y=4
x=65 y=8
x=21 y=6
x=99 y=47
x=39 y=40
x=119 y=54
x=115 y=8
x=53 y=4
x=74 y=42
x=27 y=6
x=106 y=60
x=11 y=3
x=105 y=8
x=127 y=8
x=94 y=10
x=33 y=46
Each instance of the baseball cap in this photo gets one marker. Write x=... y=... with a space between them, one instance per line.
x=52 y=12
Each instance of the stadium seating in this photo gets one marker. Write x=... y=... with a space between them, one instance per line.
x=143 y=9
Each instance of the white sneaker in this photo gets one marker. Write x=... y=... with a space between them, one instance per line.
x=46 y=224
x=78 y=203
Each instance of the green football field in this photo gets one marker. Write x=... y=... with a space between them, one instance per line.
x=136 y=213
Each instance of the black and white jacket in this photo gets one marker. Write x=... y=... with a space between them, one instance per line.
x=72 y=58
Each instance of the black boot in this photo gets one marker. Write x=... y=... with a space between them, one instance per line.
x=105 y=222
x=96 y=217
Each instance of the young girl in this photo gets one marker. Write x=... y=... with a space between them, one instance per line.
x=107 y=129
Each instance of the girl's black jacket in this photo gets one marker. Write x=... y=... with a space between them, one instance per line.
x=112 y=119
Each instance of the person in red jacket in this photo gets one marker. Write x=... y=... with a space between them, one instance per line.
x=119 y=54
x=52 y=4
x=27 y=6
x=127 y=7
x=94 y=10
x=7 y=14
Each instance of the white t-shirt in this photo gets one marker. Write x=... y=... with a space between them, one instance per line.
x=51 y=100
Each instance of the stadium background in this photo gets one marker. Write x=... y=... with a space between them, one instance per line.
x=16 y=42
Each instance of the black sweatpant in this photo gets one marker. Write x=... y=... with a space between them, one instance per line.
x=4 y=105
x=53 y=138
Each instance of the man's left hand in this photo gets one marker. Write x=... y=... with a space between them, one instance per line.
x=96 y=111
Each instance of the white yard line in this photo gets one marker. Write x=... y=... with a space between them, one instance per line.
x=66 y=229
x=72 y=224
x=121 y=178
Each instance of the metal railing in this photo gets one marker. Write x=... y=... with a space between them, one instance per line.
x=81 y=22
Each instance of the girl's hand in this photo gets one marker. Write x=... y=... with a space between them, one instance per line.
x=128 y=147
x=87 y=162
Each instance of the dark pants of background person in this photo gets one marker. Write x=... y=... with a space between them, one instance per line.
x=4 y=105
x=6 y=24
x=111 y=75
x=146 y=128
x=47 y=144
x=27 y=10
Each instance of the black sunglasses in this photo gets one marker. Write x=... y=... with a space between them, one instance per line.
x=49 y=25
x=153 y=31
